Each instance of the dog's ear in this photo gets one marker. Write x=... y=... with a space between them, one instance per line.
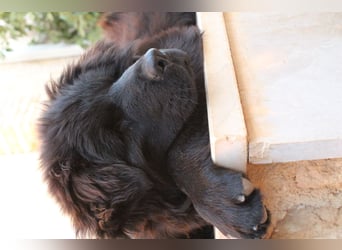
x=57 y=175
x=99 y=197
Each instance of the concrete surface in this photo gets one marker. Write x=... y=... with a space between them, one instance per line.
x=289 y=75
x=27 y=210
x=228 y=135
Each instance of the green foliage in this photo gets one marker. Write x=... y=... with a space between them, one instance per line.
x=49 y=27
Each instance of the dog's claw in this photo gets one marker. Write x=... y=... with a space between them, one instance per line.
x=241 y=198
x=265 y=217
x=247 y=187
x=247 y=190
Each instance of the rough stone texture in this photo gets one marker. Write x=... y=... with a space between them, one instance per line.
x=304 y=198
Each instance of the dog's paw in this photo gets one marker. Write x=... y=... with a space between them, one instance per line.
x=232 y=204
x=252 y=221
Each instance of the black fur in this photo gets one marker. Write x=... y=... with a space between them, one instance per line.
x=125 y=144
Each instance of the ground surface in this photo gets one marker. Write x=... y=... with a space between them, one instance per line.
x=26 y=209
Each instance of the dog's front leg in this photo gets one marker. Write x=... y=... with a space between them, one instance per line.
x=223 y=197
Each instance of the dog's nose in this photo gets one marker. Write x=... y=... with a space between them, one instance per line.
x=155 y=61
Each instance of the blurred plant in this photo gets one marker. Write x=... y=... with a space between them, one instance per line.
x=49 y=27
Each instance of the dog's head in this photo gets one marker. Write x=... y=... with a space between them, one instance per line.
x=106 y=115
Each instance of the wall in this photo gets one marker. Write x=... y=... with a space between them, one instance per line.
x=305 y=198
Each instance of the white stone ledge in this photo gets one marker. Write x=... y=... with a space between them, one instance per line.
x=228 y=136
x=289 y=74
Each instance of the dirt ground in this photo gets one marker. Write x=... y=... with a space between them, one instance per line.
x=305 y=198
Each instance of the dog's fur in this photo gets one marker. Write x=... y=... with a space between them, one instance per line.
x=125 y=147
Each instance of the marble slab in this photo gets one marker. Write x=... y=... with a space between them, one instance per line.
x=289 y=73
x=228 y=136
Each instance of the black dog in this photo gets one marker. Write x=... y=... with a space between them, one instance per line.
x=125 y=146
